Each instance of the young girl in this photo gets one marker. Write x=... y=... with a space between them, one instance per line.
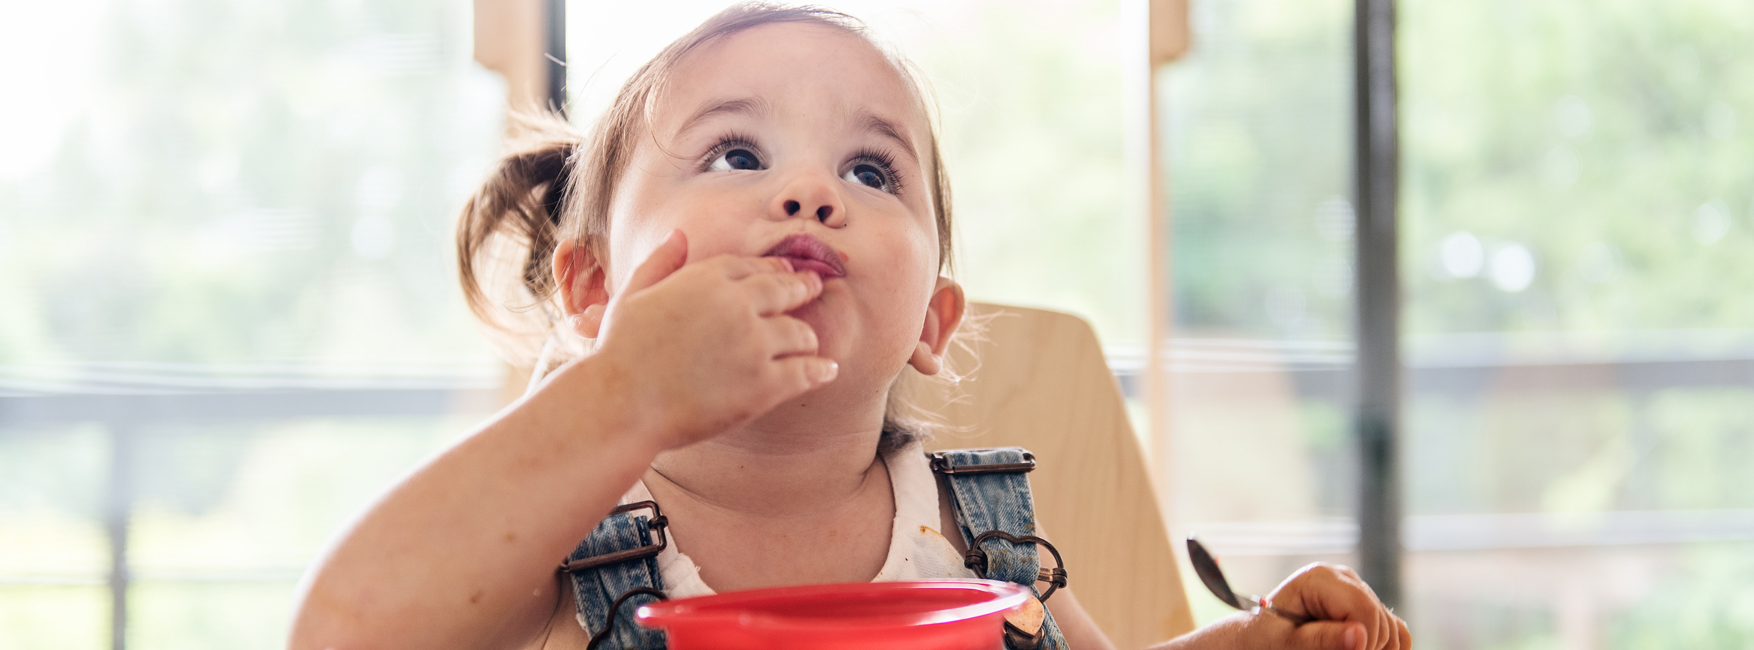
x=752 y=239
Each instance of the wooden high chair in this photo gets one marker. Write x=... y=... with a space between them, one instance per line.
x=1039 y=381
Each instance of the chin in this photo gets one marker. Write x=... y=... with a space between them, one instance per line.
x=832 y=331
x=851 y=341
x=830 y=320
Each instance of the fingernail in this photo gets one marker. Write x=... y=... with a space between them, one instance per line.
x=826 y=372
x=1351 y=638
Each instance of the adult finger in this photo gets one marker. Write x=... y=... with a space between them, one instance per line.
x=670 y=255
x=1329 y=635
x=1335 y=594
x=1376 y=616
x=1383 y=631
x=1384 y=635
x=778 y=293
x=789 y=336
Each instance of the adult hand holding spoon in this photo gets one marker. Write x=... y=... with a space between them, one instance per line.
x=1206 y=565
x=1321 y=606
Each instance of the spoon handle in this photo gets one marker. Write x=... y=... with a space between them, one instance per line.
x=1206 y=566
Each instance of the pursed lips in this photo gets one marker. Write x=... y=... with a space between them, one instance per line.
x=808 y=253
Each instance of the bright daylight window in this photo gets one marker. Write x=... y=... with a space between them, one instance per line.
x=1576 y=229
x=225 y=258
x=229 y=315
x=229 y=318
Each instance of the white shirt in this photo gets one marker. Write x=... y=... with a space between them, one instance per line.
x=917 y=549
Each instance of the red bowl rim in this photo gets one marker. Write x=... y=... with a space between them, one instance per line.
x=685 y=612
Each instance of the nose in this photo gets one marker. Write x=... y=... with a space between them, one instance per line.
x=810 y=194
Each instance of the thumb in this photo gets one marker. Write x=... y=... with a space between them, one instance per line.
x=669 y=256
x=1329 y=635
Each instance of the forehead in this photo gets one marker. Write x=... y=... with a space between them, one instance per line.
x=796 y=68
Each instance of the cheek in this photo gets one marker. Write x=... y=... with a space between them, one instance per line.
x=647 y=212
x=904 y=266
x=630 y=243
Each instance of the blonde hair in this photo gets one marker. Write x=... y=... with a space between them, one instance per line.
x=556 y=182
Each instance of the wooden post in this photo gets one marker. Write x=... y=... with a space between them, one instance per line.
x=509 y=39
x=516 y=39
x=1165 y=27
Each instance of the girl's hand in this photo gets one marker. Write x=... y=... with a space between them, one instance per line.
x=701 y=348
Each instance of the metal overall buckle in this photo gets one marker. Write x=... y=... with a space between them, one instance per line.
x=941 y=464
x=656 y=524
x=1032 y=614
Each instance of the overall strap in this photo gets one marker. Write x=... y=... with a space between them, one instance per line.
x=990 y=498
x=621 y=555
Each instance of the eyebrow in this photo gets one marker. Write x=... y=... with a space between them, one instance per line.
x=757 y=107
x=747 y=106
x=889 y=130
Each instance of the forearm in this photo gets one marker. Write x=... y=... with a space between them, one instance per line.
x=1224 y=634
x=1080 y=631
x=456 y=554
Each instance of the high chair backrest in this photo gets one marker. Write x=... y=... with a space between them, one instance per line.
x=1037 y=379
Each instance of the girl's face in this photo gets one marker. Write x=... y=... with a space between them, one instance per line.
x=788 y=132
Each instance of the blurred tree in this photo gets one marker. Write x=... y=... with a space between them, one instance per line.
x=1576 y=185
x=1577 y=165
x=252 y=182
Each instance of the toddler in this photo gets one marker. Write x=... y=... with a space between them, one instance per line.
x=753 y=240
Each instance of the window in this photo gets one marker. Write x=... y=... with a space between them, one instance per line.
x=232 y=321
x=1574 y=232
x=230 y=318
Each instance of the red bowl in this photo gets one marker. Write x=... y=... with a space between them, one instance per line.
x=938 y=615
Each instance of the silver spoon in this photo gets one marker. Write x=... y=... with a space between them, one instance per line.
x=1207 y=567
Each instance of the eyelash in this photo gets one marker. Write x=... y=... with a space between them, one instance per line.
x=882 y=160
x=726 y=144
x=885 y=163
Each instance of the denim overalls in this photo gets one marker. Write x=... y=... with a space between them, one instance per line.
x=616 y=568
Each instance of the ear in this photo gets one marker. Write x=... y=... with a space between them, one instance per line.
x=583 y=292
x=943 y=315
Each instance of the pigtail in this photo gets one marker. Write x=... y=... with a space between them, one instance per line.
x=508 y=230
x=555 y=182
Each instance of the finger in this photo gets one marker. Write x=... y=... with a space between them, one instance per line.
x=789 y=336
x=1385 y=633
x=739 y=267
x=669 y=256
x=1403 y=636
x=1374 y=615
x=1374 y=626
x=1350 y=598
x=1329 y=635
x=778 y=293
x=802 y=373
